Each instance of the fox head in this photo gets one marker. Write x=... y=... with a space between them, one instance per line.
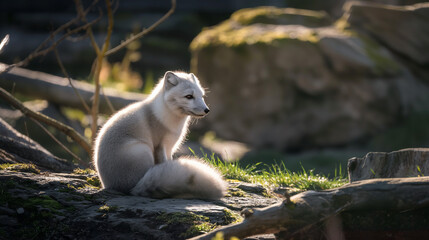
x=184 y=95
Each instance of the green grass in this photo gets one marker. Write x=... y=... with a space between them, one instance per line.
x=278 y=175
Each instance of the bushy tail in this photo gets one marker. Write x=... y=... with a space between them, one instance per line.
x=182 y=178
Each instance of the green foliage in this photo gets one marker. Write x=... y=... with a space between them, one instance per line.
x=119 y=75
x=420 y=171
x=326 y=162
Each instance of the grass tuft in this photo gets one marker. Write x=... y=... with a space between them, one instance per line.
x=277 y=175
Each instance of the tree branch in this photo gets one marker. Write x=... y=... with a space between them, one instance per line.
x=82 y=15
x=47 y=120
x=38 y=52
x=144 y=31
x=99 y=64
x=60 y=63
x=58 y=90
x=308 y=208
x=58 y=141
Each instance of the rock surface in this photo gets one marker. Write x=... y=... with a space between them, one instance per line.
x=398 y=164
x=71 y=206
x=299 y=87
x=403 y=29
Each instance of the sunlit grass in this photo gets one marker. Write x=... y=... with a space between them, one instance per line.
x=277 y=175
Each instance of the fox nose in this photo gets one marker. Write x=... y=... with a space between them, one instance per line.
x=206 y=110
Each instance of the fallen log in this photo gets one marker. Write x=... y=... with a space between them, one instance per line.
x=59 y=91
x=410 y=162
x=309 y=208
x=18 y=148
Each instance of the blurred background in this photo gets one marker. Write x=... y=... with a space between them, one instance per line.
x=304 y=83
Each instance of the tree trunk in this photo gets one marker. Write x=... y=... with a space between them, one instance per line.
x=410 y=162
x=307 y=209
x=58 y=90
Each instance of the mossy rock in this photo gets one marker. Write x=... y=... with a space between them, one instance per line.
x=230 y=35
x=20 y=167
x=192 y=224
x=281 y=16
x=263 y=25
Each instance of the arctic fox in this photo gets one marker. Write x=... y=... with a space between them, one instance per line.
x=133 y=150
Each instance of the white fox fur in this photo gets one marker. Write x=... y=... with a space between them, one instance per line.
x=133 y=151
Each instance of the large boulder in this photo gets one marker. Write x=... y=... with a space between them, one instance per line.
x=296 y=86
x=404 y=29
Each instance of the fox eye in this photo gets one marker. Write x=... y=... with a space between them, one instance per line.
x=189 y=96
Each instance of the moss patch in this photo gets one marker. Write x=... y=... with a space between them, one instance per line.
x=281 y=16
x=231 y=217
x=193 y=223
x=384 y=65
x=84 y=171
x=226 y=35
x=172 y=218
x=107 y=209
x=44 y=201
x=20 y=167
x=197 y=229
x=235 y=33
x=37 y=219
x=94 y=181
x=235 y=192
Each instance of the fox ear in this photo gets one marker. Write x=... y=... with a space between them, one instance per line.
x=171 y=80
x=193 y=77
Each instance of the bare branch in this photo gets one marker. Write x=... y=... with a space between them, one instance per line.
x=39 y=52
x=144 y=31
x=45 y=119
x=58 y=141
x=82 y=15
x=98 y=67
x=109 y=103
x=60 y=63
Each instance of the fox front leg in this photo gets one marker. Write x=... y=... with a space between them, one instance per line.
x=160 y=155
